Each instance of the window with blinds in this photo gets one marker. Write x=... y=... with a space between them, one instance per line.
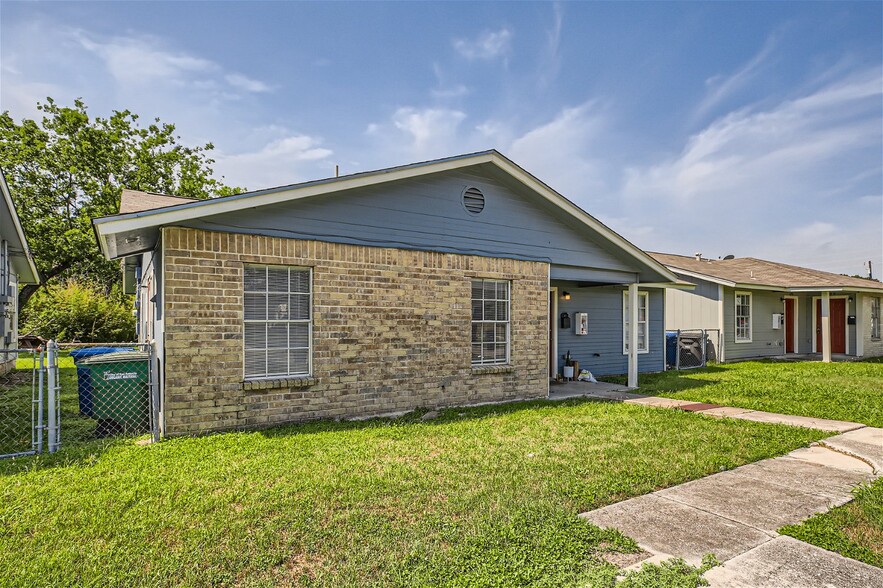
x=490 y=322
x=278 y=321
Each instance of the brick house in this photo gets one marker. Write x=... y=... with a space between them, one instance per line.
x=451 y=282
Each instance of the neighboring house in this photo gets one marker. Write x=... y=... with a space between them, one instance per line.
x=434 y=284
x=16 y=268
x=764 y=308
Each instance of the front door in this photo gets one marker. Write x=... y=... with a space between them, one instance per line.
x=838 y=325
x=789 y=325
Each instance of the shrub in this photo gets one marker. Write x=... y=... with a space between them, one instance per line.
x=78 y=311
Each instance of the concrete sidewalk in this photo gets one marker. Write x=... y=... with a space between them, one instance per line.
x=736 y=514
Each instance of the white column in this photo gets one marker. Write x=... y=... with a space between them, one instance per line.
x=826 y=327
x=859 y=324
x=633 y=336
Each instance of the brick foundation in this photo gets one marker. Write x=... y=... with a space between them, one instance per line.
x=391 y=332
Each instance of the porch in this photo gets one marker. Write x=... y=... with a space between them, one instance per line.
x=595 y=390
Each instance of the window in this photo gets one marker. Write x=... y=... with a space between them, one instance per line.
x=490 y=322
x=278 y=327
x=643 y=333
x=743 y=317
x=875 y=317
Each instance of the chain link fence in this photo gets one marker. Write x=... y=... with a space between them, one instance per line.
x=692 y=348
x=61 y=396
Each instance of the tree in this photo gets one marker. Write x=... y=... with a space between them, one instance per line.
x=70 y=168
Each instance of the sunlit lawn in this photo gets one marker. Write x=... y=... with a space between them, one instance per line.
x=479 y=497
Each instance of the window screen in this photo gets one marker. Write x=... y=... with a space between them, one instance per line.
x=278 y=324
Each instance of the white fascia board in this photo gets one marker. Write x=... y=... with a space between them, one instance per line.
x=554 y=197
x=183 y=212
x=673 y=286
x=105 y=226
x=34 y=278
x=699 y=276
x=807 y=289
x=761 y=287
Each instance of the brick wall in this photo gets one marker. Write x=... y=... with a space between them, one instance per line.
x=391 y=332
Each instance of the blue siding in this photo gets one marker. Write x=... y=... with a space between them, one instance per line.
x=601 y=350
x=427 y=213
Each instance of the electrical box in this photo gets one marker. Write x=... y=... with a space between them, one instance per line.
x=778 y=320
x=581 y=323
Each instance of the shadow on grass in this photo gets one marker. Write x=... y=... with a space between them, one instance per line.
x=669 y=381
x=84 y=453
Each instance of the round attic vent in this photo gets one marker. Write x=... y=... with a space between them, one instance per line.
x=473 y=200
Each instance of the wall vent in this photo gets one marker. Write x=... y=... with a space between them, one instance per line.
x=473 y=200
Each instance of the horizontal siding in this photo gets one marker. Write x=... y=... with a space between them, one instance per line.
x=601 y=350
x=427 y=213
x=692 y=309
x=765 y=341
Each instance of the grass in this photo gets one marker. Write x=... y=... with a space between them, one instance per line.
x=485 y=496
x=847 y=391
x=854 y=530
x=15 y=406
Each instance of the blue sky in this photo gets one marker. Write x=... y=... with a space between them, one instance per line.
x=753 y=129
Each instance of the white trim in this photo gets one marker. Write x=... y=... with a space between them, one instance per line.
x=553 y=331
x=110 y=225
x=736 y=295
x=845 y=321
x=796 y=333
x=859 y=325
x=720 y=324
x=625 y=296
x=508 y=321
x=772 y=288
x=288 y=322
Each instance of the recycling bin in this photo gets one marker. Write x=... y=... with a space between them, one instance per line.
x=120 y=392
x=84 y=382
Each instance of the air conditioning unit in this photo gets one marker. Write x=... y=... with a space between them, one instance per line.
x=778 y=320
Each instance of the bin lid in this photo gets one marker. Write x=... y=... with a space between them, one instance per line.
x=117 y=357
x=87 y=352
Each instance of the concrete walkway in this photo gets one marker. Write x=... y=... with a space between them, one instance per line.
x=736 y=514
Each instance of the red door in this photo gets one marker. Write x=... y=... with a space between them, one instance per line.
x=789 y=325
x=838 y=325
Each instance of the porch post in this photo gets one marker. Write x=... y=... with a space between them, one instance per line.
x=633 y=336
x=826 y=327
x=859 y=325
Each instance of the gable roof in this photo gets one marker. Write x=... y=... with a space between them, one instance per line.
x=749 y=272
x=20 y=257
x=138 y=201
x=133 y=232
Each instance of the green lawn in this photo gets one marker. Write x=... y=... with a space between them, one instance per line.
x=841 y=391
x=854 y=530
x=485 y=496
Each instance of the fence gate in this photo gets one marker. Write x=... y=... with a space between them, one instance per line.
x=29 y=401
x=82 y=394
x=692 y=348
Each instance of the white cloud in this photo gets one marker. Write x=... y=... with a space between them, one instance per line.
x=284 y=160
x=245 y=83
x=565 y=151
x=487 y=46
x=780 y=183
x=144 y=60
x=722 y=87
x=414 y=134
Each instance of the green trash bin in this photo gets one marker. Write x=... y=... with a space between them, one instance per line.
x=120 y=392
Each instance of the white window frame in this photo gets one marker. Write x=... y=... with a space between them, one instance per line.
x=736 y=337
x=308 y=321
x=643 y=301
x=508 y=322
x=875 y=317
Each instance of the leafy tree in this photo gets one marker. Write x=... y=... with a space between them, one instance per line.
x=69 y=168
x=81 y=312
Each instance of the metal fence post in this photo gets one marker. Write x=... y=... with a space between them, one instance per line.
x=52 y=395
x=678 y=351
x=40 y=368
x=704 y=348
x=154 y=391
